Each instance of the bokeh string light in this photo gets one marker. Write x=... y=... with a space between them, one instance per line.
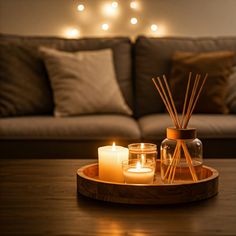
x=112 y=9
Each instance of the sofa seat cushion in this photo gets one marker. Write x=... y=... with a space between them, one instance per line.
x=215 y=126
x=96 y=127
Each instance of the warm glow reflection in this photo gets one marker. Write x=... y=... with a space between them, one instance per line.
x=114 y=5
x=142 y=145
x=133 y=21
x=80 y=7
x=154 y=27
x=160 y=32
x=105 y=26
x=143 y=159
x=138 y=166
x=110 y=9
x=72 y=33
x=134 y=5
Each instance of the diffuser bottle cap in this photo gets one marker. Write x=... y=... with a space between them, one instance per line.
x=174 y=133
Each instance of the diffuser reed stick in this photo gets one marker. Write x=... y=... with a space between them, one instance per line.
x=191 y=97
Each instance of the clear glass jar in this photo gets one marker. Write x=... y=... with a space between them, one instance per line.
x=142 y=151
x=181 y=156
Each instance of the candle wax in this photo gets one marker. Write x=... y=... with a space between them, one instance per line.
x=143 y=175
x=110 y=163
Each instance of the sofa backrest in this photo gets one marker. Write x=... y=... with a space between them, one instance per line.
x=153 y=58
x=121 y=47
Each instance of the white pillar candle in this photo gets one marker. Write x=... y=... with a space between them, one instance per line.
x=139 y=175
x=110 y=160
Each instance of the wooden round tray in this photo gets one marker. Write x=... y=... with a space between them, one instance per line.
x=88 y=184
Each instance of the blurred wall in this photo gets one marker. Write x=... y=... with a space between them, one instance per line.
x=173 y=17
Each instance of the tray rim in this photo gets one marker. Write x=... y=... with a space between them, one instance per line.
x=215 y=174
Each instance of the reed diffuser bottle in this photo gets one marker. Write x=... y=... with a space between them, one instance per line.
x=181 y=156
x=181 y=152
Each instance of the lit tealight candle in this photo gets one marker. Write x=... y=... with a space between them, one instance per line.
x=139 y=174
x=110 y=160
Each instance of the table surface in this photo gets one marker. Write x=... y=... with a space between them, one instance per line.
x=39 y=197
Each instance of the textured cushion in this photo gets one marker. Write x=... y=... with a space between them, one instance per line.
x=24 y=88
x=84 y=82
x=95 y=127
x=214 y=126
x=216 y=64
x=153 y=58
x=121 y=47
x=231 y=93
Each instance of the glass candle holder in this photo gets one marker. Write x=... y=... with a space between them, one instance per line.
x=136 y=172
x=142 y=151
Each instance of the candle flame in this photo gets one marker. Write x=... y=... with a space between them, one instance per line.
x=142 y=145
x=138 y=165
x=113 y=146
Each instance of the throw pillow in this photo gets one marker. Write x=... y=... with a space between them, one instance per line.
x=218 y=66
x=231 y=93
x=24 y=88
x=84 y=82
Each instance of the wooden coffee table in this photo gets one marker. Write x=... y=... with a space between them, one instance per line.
x=39 y=197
